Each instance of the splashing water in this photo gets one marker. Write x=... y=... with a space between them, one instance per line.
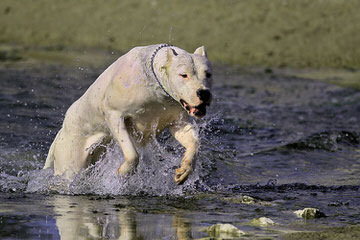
x=154 y=174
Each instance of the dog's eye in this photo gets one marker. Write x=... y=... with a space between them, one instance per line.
x=208 y=75
x=183 y=75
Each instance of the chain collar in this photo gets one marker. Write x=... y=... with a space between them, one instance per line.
x=152 y=66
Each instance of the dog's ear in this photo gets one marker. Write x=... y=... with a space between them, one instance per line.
x=201 y=51
x=167 y=59
x=170 y=54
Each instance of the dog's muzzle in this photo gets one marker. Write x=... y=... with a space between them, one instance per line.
x=204 y=95
x=199 y=110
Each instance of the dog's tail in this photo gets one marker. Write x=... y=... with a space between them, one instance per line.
x=49 y=163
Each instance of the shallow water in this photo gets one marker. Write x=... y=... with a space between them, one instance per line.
x=291 y=142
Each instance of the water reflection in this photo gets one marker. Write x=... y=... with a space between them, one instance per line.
x=89 y=218
x=182 y=226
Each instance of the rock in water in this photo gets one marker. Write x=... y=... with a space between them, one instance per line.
x=223 y=231
x=263 y=221
x=309 y=213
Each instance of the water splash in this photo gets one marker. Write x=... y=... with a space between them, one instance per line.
x=154 y=175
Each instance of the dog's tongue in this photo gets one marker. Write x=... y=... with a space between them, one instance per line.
x=192 y=110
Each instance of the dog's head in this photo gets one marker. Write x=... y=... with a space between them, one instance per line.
x=188 y=79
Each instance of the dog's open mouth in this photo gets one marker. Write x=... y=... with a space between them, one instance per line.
x=197 y=111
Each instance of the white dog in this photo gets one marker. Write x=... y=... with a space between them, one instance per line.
x=143 y=92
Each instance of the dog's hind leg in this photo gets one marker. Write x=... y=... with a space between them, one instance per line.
x=72 y=151
x=49 y=163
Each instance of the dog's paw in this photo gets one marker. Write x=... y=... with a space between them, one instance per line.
x=126 y=169
x=181 y=174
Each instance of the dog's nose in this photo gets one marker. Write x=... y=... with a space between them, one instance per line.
x=204 y=95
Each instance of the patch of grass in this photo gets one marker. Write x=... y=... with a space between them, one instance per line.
x=8 y=54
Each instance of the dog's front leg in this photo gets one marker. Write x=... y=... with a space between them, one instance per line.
x=118 y=129
x=187 y=136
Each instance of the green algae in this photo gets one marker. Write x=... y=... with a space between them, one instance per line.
x=244 y=199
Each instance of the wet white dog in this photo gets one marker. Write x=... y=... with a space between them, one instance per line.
x=143 y=92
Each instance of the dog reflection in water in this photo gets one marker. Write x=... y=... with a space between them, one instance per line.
x=81 y=218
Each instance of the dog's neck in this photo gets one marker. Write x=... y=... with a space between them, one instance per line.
x=153 y=71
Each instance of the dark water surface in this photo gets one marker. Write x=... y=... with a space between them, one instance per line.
x=290 y=143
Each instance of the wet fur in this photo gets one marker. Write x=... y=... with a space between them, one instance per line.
x=125 y=101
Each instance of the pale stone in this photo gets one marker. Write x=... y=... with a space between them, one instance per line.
x=309 y=213
x=263 y=221
x=223 y=231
